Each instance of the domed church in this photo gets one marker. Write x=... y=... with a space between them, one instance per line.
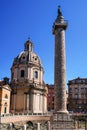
x=29 y=91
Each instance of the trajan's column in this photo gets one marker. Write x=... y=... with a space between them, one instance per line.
x=59 y=29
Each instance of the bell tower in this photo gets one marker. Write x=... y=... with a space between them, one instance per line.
x=59 y=28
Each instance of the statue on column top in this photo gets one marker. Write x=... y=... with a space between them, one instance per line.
x=59 y=11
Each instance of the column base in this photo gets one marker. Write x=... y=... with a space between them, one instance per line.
x=61 y=121
x=61 y=117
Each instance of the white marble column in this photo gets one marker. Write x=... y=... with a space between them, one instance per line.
x=45 y=103
x=24 y=102
x=44 y=100
x=40 y=102
x=27 y=102
x=37 y=102
x=34 y=102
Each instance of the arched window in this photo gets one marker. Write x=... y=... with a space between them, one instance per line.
x=22 y=73
x=5 y=110
x=5 y=104
x=5 y=107
x=6 y=96
x=36 y=74
x=27 y=46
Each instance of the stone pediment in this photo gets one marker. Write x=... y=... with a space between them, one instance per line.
x=6 y=87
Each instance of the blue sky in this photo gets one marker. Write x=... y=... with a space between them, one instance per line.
x=20 y=19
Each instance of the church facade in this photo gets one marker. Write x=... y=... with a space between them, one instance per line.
x=29 y=91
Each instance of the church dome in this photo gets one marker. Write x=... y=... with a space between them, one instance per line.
x=27 y=56
x=27 y=66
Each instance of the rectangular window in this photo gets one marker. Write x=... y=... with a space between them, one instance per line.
x=82 y=96
x=35 y=74
x=85 y=89
x=82 y=89
x=22 y=73
x=76 y=96
x=75 y=90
